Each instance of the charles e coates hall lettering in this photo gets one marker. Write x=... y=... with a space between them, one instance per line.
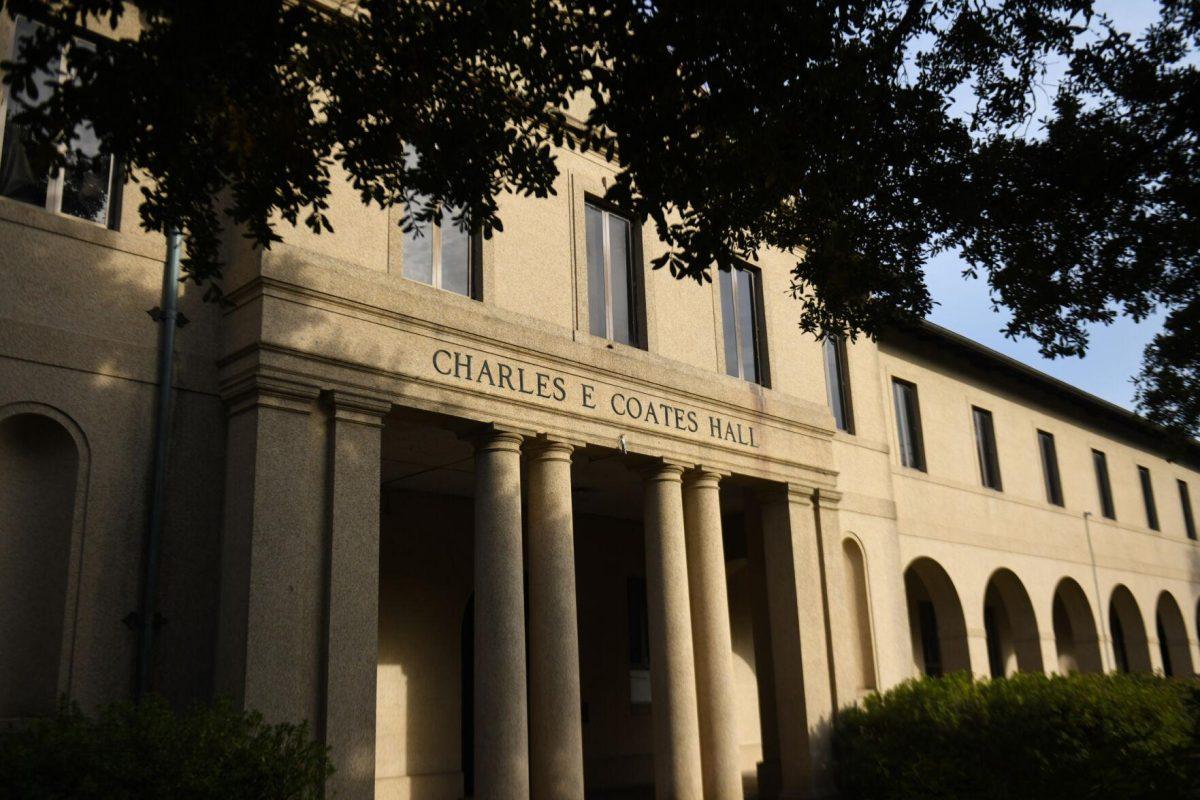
x=475 y=368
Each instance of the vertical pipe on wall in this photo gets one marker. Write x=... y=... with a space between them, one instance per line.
x=1101 y=616
x=167 y=318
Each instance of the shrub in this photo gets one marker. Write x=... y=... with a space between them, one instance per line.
x=147 y=751
x=1028 y=737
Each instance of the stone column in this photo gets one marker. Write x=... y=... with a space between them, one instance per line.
x=1156 y=660
x=677 y=770
x=802 y=685
x=712 y=640
x=298 y=629
x=555 y=730
x=271 y=630
x=501 y=722
x=977 y=648
x=353 y=604
x=1048 y=648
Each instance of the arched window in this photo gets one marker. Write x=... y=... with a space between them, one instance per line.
x=39 y=469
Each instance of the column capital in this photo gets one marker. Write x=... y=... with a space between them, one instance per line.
x=358 y=408
x=551 y=448
x=660 y=469
x=492 y=438
x=257 y=390
x=702 y=476
x=797 y=493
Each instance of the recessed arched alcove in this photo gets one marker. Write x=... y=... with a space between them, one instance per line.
x=1075 y=637
x=1172 y=638
x=935 y=618
x=39 y=480
x=1131 y=649
x=857 y=604
x=1010 y=625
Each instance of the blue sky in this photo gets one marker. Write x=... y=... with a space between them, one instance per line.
x=1115 y=353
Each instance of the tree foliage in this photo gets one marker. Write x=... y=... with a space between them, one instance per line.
x=1054 y=152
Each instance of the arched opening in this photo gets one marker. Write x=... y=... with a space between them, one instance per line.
x=862 y=651
x=1172 y=638
x=1075 y=636
x=1131 y=650
x=39 y=471
x=935 y=619
x=1008 y=620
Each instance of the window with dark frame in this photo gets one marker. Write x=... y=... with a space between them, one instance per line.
x=931 y=646
x=1185 y=500
x=741 y=323
x=84 y=187
x=611 y=276
x=1148 y=497
x=908 y=424
x=985 y=447
x=1054 y=493
x=837 y=383
x=992 y=639
x=639 y=641
x=1100 y=462
x=443 y=255
x=1118 y=637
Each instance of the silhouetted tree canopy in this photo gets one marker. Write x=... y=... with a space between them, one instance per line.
x=1055 y=153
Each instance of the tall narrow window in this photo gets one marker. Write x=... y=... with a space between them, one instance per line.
x=1054 y=492
x=741 y=323
x=84 y=187
x=837 y=383
x=1185 y=500
x=441 y=255
x=1148 y=498
x=1105 y=488
x=611 y=277
x=908 y=424
x=985 y=447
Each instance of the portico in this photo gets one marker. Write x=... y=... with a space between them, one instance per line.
x=567 y=720
x=541 y=605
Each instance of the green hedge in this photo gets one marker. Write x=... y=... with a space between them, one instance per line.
x=148 y=751
x=1028 y=737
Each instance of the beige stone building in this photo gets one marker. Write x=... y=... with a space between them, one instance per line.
x=524 y=518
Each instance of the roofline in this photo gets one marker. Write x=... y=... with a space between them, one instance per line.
x=1168 y=442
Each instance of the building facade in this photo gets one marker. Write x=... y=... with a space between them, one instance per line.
x=522 y=517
